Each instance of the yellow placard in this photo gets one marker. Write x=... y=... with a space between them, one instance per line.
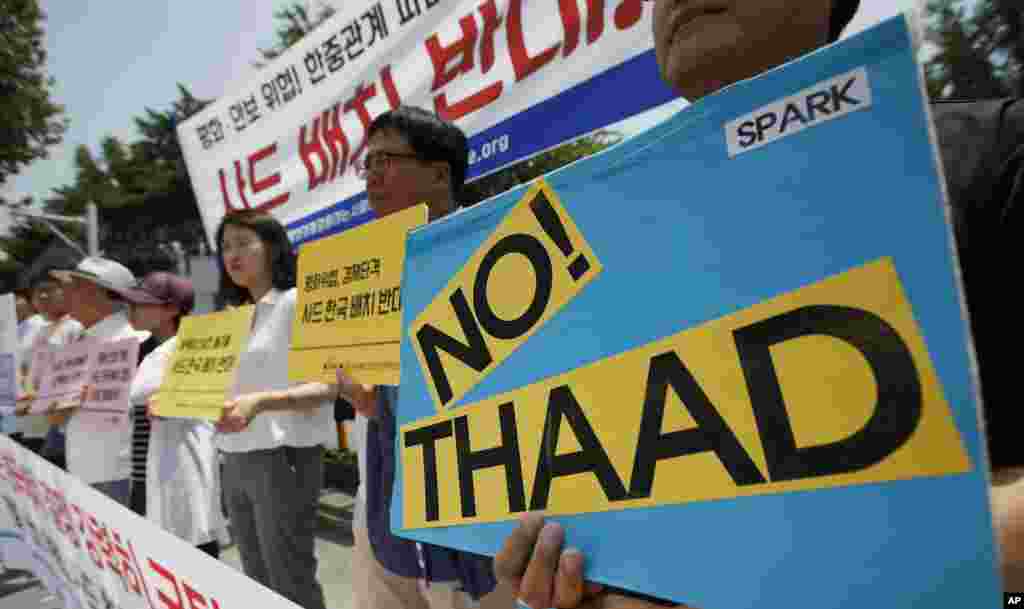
x=531 y=266
x=201 y=370
x=827 y=386
x=349 y=310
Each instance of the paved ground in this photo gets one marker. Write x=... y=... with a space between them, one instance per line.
x=19 y=590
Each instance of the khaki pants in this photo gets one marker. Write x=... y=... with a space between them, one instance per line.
x=374 y=587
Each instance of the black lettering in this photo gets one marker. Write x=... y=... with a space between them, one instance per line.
x=427 y=437
x=817 y=101
x=592 y=457
x=841 y=95
x=792 y=113
x=765 y=122
x=505 y=455
x=711 y=434
x=534 y=251
x=746 y=133
x=474 y=353
x=897 y=409
x=311 y=313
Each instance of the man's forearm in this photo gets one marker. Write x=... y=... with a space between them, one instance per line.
x=299 y=398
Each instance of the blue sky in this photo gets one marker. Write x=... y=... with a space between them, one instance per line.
x=111 y=60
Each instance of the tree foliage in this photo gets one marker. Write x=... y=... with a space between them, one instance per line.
x=294 y=22
x=30 y=121
x=142 y=189
x=978 y=49
x=536 y=166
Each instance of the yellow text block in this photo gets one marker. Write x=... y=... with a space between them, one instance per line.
x=202 y=368
x=830 y=385
x=349 y=310
x=531 y=266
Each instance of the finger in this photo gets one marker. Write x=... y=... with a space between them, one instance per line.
x=569 y=580
x=617 y=601
x=510 y=562
x=537 y=587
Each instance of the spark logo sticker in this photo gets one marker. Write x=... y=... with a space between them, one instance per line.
x=534 y=263
x=823 y=102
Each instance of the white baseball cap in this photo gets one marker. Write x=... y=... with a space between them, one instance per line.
x=101 y=271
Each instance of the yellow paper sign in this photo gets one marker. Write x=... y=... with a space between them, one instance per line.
x=534 y=263
x=827 y=386
x=349 y=310
x=202 y=367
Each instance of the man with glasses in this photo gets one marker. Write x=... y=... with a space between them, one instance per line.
x=55 y=328
x=412 y=157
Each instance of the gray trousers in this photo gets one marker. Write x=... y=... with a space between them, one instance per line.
x=272 y=497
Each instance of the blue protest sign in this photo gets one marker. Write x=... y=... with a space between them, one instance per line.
x=728 y=355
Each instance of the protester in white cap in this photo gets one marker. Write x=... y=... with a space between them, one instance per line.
x=182 y=480
x=93 y=300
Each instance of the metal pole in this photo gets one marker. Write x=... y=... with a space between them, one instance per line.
x=93 y=219
x=62 y=236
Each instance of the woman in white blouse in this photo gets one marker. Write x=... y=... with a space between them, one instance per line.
x=182 y=473
x=272 y=431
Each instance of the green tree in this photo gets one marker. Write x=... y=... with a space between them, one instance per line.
x=30 y=122
x=142 y=190
x=294 y=22
x=25 y=240
x=529 y=169
x=978 y=48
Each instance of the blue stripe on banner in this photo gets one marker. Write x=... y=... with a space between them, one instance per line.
x=609 y=97
x=613 y=95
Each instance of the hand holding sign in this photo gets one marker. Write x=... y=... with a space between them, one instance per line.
x=24 y=404
x=239 y=412
x=61 y=375
x=202 y=368
x=540 y=573
x=362 y=397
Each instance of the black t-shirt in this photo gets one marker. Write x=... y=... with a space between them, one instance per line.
x=982 y=146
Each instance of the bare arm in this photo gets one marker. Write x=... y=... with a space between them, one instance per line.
x=301 y=398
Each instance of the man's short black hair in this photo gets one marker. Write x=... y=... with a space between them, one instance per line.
x=431 y=138
x=841 y=16
x=42 y=276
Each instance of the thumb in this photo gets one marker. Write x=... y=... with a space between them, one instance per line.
x=342 y=377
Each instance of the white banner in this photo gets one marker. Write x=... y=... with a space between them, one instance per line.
x=93 y=553
x=8 y=353
x=519 y=76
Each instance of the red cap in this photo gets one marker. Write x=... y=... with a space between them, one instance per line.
x=161 y=288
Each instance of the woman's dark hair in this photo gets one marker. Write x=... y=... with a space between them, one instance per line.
x=841 y=16
x=282 y=258
x=431 y=138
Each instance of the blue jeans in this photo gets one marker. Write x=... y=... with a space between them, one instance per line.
x=118 y=490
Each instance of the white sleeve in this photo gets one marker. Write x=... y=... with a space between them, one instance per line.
x=150 y=373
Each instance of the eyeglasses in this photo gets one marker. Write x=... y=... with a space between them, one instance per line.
x=380 y=162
